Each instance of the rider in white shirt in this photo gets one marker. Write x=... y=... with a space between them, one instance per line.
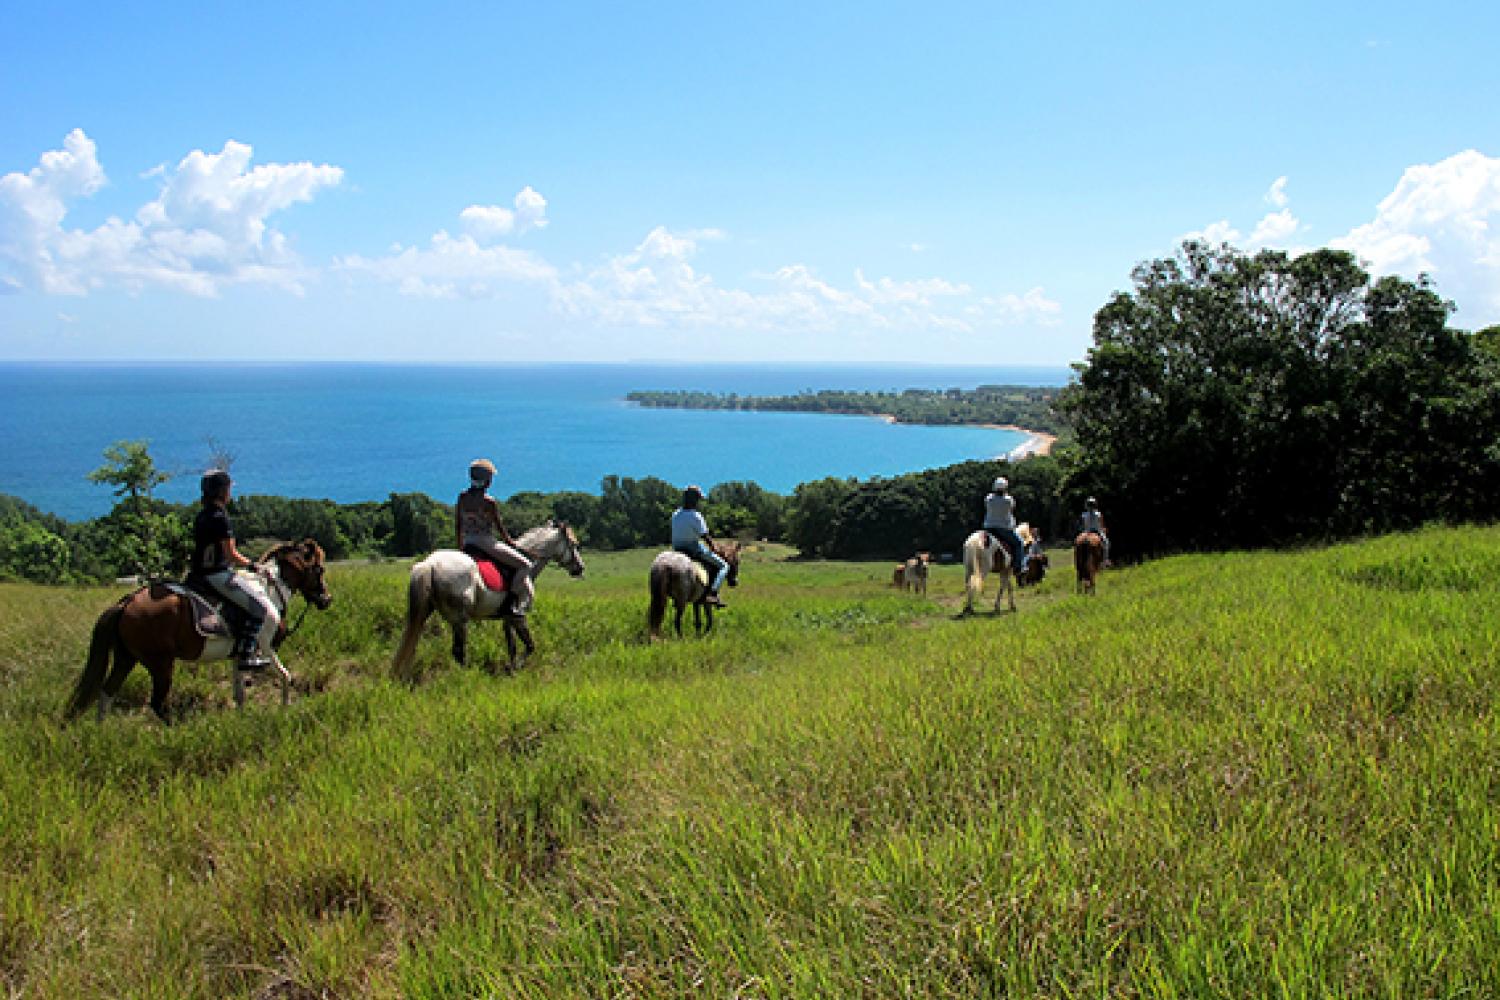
x=1000 y=520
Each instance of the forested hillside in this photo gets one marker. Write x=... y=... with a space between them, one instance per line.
x=1016 y=405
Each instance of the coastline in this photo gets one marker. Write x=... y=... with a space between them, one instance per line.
x=1036 y=443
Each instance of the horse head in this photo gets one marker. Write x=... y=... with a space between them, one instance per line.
x=554 y=541
x=731 y=554
x=573 y=562
x=301 y=566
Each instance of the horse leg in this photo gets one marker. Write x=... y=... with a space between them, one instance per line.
x=678 y=620
x=161 y=685
x=528 y=645
x=283 y=678
x=697 y=618
x=124 y=664
x=239 y=687
x=509 y=627
x=708 y=613
x=460 y=641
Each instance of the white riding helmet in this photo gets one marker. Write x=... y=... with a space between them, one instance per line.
x=1000 y=485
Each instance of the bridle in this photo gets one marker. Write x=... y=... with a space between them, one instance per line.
x=271 y=573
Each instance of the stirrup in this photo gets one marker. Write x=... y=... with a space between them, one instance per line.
x=248 y=657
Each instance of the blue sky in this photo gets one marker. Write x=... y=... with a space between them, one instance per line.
x=706 y=182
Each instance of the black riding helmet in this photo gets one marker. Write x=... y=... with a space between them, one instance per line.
x=214 y=484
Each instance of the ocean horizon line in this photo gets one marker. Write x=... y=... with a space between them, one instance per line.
x=674 y=364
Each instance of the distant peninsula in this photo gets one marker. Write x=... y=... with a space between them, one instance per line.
x=1017 y=406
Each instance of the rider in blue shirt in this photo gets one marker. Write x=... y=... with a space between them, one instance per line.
x=690 y=537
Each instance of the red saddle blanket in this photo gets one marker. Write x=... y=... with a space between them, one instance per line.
x=489 y=570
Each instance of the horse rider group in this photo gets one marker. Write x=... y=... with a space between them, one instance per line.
x=1000 y=521
x=477 y=525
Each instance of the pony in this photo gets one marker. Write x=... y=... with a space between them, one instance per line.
x=983 y=552
x=914 y=573
x=1036 y=561
x=449 y=582
x=158 y=625
x=1088 y=559
x=684 y=581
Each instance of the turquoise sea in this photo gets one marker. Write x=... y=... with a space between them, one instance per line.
x=351 y=432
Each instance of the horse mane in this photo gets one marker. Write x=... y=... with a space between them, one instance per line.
x=534 y=536
x=281 y=548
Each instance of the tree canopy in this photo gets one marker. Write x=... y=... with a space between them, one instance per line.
x=1234 y=399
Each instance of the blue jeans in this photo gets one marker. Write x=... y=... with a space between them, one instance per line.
x=717 y=568
x=1012 y=541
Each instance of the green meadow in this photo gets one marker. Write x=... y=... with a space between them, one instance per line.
x=1270 y=774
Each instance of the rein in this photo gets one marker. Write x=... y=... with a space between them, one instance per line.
x=271 y=573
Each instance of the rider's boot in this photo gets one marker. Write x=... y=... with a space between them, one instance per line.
x=712 y=600
x=247 y=654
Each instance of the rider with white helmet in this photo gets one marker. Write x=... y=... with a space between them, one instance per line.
x=477 y=522
x=1093 y=520
x=1000 y=520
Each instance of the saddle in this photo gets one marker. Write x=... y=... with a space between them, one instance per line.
x=495 y=576
x=213 y=618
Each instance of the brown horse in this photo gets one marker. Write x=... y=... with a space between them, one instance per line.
x=914 y=573
x=679 y=578
x=1035 y=571
x=1088 y=560
x=157 y=626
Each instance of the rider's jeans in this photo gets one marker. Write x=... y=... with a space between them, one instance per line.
x=252 y=601
x=711 y=561
x=1012 y=542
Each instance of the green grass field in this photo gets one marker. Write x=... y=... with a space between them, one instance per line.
x=1239 y=775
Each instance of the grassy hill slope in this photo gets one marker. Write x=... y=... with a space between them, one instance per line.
x=1225 y=775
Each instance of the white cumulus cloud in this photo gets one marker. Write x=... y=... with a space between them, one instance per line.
x=452 y=267
x=1274 y=230
x=1441 y=220
x=207 y=228
x=488 y=222
x=657 y=284
x=1276 y=195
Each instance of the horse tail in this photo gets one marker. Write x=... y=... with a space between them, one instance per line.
x=974 y=558
x=1083 y=561
x=105 y=640
x=660 y=581
x=418 y=610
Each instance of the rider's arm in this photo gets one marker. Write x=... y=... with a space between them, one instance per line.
x=494 y=511
x=235 y=559
x=458 y=527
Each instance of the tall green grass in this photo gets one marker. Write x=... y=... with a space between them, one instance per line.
x=1238 y=775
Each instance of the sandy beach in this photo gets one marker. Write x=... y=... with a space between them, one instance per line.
x=1036 y=443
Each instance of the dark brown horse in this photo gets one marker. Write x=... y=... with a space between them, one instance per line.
x=156 y=626
x=1088 y=560
x=1035 y=571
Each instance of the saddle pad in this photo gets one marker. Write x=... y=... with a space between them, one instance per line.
x=490 y=574
x=206 y=618
x=489 y=570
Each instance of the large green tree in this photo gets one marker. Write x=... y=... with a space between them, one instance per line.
x=1236 y=399
x=142 y=535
